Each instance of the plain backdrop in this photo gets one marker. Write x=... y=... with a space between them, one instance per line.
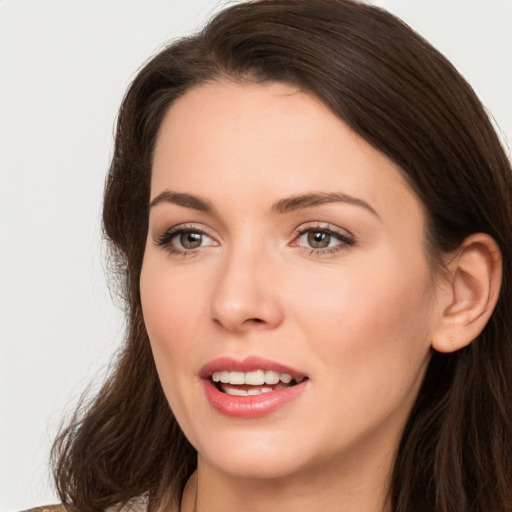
x=64 y=67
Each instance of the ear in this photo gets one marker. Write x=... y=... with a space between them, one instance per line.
x=468 y=294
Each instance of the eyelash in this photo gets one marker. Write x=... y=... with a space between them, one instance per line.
x=165 y=239
x=346 y=240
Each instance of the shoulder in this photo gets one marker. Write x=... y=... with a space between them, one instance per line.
x=135 y=506
x=48 y=508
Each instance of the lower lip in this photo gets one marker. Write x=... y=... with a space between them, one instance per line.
x=254 y=406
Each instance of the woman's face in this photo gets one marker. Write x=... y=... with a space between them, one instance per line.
x=283 y=246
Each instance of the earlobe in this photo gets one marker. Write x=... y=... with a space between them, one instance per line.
x=469 y=293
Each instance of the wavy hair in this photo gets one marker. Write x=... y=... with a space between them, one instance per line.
x=403 y=97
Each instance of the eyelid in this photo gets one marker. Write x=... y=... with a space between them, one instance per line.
x=345 y=237
x=164 y=238
x=322 y=226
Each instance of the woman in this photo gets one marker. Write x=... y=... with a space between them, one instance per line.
x=312 y=213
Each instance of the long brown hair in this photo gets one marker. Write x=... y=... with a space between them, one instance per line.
x=401 y=95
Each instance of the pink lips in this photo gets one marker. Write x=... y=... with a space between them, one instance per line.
x=249 y=406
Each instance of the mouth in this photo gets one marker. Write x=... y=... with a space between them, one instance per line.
x=253 y=383
x=251 y=388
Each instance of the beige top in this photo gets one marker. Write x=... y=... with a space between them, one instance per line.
x=133 y=507
x=48 y=508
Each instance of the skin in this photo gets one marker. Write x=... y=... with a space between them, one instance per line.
x=357 y=318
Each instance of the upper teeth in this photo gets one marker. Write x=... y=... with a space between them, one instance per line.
x=255 y=378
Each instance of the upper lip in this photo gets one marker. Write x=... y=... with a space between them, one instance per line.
x=248 y=364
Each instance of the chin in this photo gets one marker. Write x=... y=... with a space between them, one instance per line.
x=264 y=457
x=255 y=468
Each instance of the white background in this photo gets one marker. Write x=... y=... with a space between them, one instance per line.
x=64 y=67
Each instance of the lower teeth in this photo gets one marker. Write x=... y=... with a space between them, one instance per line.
x=248 y=391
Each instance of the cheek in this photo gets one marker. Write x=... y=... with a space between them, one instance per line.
x=168 y=309
x=170 y=297
x=365 y=318
x=369 y=339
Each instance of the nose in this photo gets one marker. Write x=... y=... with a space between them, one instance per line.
x=246 y=293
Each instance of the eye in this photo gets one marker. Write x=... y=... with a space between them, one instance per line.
x=318 y=239
x=182 y=240
x=322 y=239
x=189 y=239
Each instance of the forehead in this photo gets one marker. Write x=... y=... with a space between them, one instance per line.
x=243 y=142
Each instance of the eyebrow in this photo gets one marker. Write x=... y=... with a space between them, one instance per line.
x=301 y=201
x=285 y=205
x=181 y=199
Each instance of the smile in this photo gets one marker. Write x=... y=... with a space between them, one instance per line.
x=252 y=383
x=250 y=388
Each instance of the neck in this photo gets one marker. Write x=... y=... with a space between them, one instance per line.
x=327 y=488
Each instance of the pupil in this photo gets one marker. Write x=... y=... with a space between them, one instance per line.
x=318 y=240
x=190 y=240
